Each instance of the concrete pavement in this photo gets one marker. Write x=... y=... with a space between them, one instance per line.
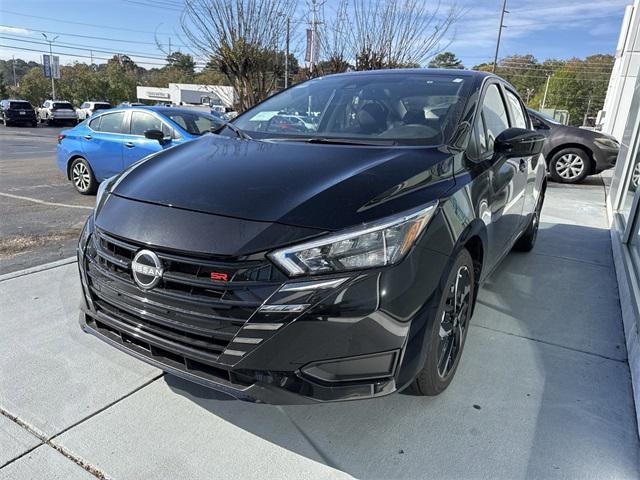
x=543 y=390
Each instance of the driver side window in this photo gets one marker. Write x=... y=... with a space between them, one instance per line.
x=495 y=116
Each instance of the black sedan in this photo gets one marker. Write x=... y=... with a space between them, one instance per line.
x=574 y=153
x=335 y=261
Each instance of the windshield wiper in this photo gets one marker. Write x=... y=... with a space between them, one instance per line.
x=336 y=141
x=240 y=133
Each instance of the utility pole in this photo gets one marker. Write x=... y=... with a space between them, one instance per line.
x=314 y=33
x=546 y=89
x=169 y=45
x=13 y=64
x=586 y=114
x=53 y=84
x=502 y=25
x=530 y=91
x=91 y=53
x=286 y=54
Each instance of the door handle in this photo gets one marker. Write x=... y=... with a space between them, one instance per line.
x=88 y=137
x=129 y=145
x=523 y=165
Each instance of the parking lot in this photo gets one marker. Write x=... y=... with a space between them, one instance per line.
x=543 y=390
x=40 y=212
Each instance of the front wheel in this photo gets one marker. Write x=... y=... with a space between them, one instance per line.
x=570 y=165
x=82 y=177
x=449 y=328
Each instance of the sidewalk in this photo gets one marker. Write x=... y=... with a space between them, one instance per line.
x=543 y=390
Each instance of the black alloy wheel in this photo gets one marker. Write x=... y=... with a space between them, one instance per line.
x=449 y=328
x=527 y=240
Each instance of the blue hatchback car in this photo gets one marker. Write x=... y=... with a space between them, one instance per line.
x=106 y=144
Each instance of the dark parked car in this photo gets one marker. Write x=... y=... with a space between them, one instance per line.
x=574 y=153
x=18 y=112
x=336 y=263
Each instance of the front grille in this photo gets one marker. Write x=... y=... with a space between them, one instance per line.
x=188 y=318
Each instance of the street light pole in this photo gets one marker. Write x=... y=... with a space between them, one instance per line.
x=53 y=84
x=495 y=58
x=546 y=89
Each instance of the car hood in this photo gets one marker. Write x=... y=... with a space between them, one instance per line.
x=308 y=185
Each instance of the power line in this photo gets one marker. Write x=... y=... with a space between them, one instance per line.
x=89 y=36
x=94 y=25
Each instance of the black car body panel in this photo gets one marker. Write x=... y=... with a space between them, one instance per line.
x=291 y=183
x=226 y=315
x=560 y=136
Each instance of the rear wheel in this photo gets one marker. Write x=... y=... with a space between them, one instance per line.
x=527 y=240
x=82 y=177
x=570 y=165
x=449 y=328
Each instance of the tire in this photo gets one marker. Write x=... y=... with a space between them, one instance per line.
x=444 y=348
x=570 y=165
x=527 y=240
x=34 y=124
x=82 y=177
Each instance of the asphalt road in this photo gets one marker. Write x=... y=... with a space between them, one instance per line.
x=41 y=214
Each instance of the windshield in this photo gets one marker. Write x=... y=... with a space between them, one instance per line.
x=412 y=108
x=62 y=106
x=194 y=123
x=545 y=117
x=20 y=105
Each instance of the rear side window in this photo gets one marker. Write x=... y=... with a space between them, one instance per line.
x=141 y=122
x=94 y=124
x=518 y=114
x=112 y=123
x=495 y=114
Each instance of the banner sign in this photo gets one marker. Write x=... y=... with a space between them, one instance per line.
x=46 y=65
x=55 y=66
x=307 y=54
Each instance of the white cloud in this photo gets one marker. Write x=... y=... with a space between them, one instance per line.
x=14 y=30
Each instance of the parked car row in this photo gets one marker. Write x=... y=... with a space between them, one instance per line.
x=113 y=139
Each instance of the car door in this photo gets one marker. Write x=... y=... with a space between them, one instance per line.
x=103 y=143
x=136 y=145
x=507 y=178
x=520 y=119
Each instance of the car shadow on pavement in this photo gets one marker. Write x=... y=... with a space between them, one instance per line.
x=543 y=389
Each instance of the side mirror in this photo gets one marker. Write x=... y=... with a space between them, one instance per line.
x=155 y=135
x=518 y=142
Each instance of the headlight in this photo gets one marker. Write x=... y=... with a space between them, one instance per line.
x=607 y=142
x=372 y=245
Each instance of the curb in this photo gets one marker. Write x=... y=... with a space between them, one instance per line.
x=39 y=268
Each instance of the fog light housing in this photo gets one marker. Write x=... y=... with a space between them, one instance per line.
x=353 y=369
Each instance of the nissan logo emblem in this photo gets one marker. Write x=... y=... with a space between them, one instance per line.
x=146 y=269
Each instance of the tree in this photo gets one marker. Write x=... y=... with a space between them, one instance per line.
x=122 y=77
x=3 y=86
x=579 y=86
x=34 y=86
x=446 y=60
x=79 y=83
x=242 y=39
x=182 y=62
x=396 y=33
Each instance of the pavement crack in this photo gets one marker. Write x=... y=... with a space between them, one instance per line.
x=48 y=440
x=538 y=340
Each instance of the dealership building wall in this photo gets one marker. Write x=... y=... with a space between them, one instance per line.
x=621 y=118
x=188 y=94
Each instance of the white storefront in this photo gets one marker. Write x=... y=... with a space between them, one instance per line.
x=189 y=94
x=621 y=118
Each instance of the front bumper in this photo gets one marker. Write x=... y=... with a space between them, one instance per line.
x=605 y=158
x=363 y=338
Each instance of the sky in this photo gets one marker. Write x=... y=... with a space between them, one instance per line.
x=545 y=28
